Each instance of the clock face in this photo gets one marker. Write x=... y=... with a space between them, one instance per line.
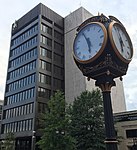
x=89 y=41
x=121 y=41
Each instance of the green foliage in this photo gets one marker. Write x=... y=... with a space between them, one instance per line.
x=87 y=121
x=55 y=123
x=9 y=142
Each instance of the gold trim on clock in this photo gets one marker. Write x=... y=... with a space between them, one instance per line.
x=114 y=45
x=101 y=49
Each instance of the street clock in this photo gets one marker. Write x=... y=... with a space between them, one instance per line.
x=120 y=41
x=90 y=42
x=102 y=46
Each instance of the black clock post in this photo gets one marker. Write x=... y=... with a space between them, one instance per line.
x=105 y=86
x=102 y=51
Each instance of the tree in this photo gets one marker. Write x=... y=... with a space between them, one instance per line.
x=87 y=121
x=9 y=142
x=55 y=122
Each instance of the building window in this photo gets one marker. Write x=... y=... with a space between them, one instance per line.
x=23 y=125
x=45 y=53
x=131 y=133
x=58 y=47
x=58 y=35
x=58 y=59
x=46 y=41
x=24 y=95
x=27 y=125
x=58 y=26
x=46 y=29
x=26 y=68
x=44 y=93
x=24 y=46
x=45 y=65
x=25 y=35
x=20 y=129
x=58 y=84
x=18 y=126
x=42 y=107
x=7 y=114
x=44 y=79
x=30 y=125
x=18 y=111
x=31 y=108
x=15 y=127
x=46 y=19
x=58 y=71
x=19 y=60
x=21 y=83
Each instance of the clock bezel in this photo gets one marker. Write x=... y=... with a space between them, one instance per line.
x=99 y=51
x=120 y=56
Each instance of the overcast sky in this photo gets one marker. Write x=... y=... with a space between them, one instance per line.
x=124 y=10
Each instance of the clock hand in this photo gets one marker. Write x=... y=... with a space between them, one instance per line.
x=121 y=41
x=122 y=44
x=88 y=42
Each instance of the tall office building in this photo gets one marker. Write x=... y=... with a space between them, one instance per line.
x=40 y=51
x=35 y=72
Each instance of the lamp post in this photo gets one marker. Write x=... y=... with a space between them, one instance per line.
x=33 y=140
x=60 y=132
x=60 y=139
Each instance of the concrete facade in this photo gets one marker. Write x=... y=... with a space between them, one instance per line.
x=75 y=82
x=126 y=127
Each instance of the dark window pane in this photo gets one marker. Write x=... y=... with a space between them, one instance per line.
x=131 y=133
x=45 y=93
x=58 y=35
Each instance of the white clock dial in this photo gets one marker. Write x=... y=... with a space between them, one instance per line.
x=121 y=41
x=89 y=41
